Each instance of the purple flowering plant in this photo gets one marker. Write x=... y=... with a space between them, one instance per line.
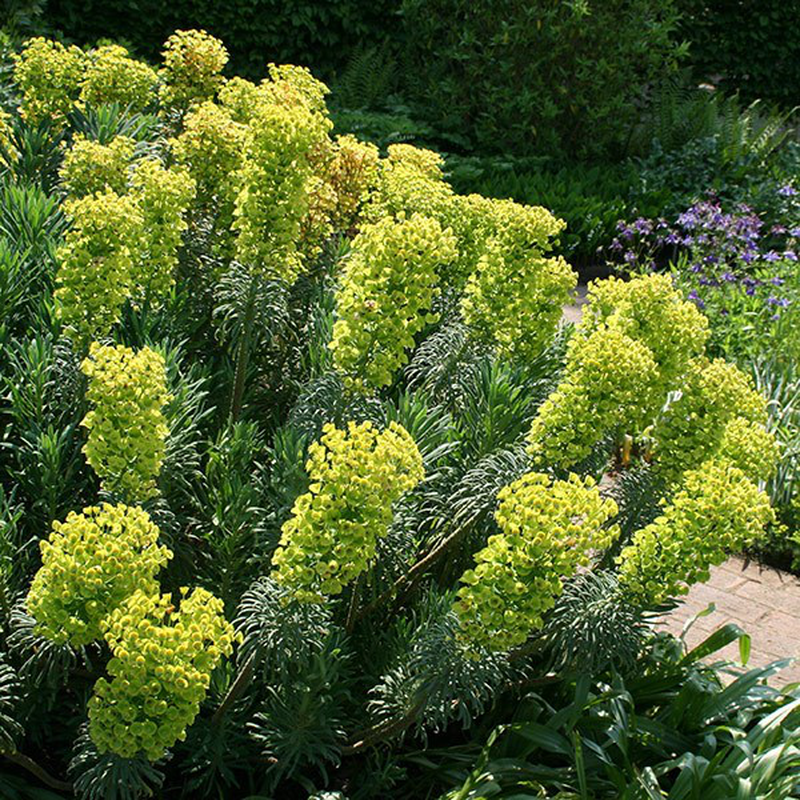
x=743 y=274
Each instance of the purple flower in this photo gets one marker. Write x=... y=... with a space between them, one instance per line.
x=750 y=291
x=696 y=268
x=777 y=229
x=787 y=191
x=790 y=255
x=771 y=256
x=696 y=298
x=778 y=301
x=794 y=232
x=729 y=277
x=776 y=281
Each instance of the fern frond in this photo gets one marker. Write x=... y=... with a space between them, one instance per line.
x=367 y=79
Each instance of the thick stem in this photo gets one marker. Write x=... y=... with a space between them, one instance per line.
x=382 y=731
x=352 y=606
x=40 y=772
x=241 y=682
x=411 y=577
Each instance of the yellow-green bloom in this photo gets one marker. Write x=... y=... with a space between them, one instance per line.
x=717 y=510
x=356 y=475
x=91 y=563
x=385 y=298
x=192 y=69
x=161 y=666
x=91 y=167
x=96 y=263
x=275 y=181
x=163 y=197
x=112 y=76
x=49 y=76
x=635 y=343
x=549 y=529
x=127 y=431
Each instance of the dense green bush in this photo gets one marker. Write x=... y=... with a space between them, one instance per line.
x=539 y=76
x=321 y=34
x=316 y=378
x=750 y=46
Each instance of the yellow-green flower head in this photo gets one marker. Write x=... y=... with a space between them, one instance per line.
x=636 y=342
x=717 y=510
x=385 y=297
x=192 y=69
x=291 y=85
x=239 y=97
x=5 y=128
x=651 y=310
x=713 y=394
x=160 y=670
x=410 y=180
x=210 y=147
x=127 y=430
x=49 y=76
x=90 y=564
x=356 y=474
x=514 y=297
x=549 y=529
x=751 y=447
x=96 y=263
x=277 y=177
x=605 y=389
x=163 y=197
x=91 y=167
x=112 y=76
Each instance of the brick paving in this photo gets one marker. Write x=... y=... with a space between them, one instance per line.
x=765 y=602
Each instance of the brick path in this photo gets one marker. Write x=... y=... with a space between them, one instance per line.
x=763 y=601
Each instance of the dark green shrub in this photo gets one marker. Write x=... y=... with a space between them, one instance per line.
x=321 y=35
x=539 y=76
x=751 y=46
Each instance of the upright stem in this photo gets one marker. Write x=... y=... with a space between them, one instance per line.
x=240 y=683
x=243 y=353
x=352 y=606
